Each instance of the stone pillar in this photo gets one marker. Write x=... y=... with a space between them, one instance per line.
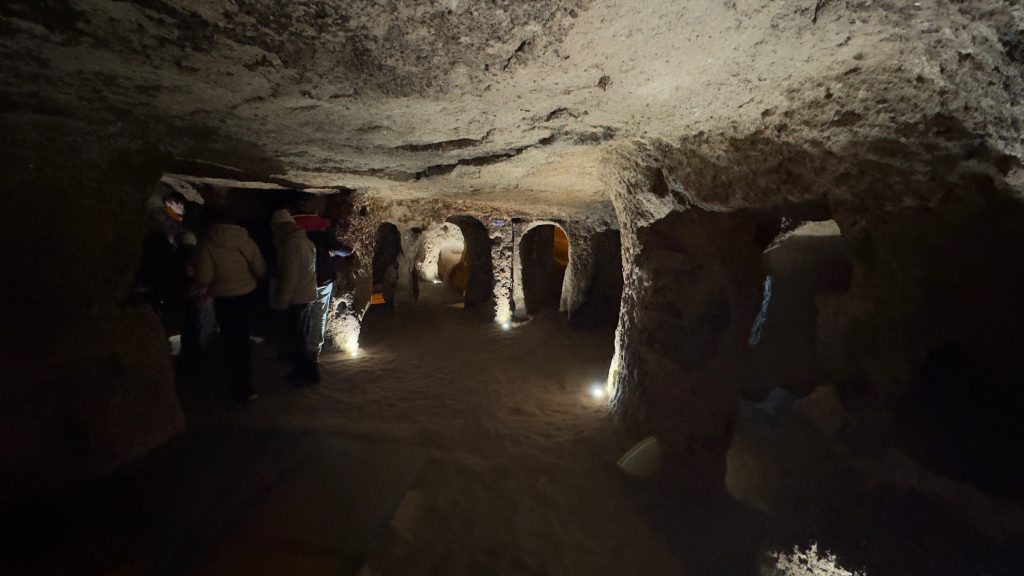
x=478 y=254
x=349 y=306
x=692 y=289
x=407 y=262
x=501 y=257
x=580 y=273
x=345 y=322
x=519 y=229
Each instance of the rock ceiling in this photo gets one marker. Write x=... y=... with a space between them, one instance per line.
x=506 y=101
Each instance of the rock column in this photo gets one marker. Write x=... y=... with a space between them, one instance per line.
x=501 y=256
x=88 y=377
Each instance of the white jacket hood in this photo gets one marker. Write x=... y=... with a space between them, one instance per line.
x=280 y=216
x=228 y=262
x=227 y=236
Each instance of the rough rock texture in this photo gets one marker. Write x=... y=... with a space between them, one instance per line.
x=807 y=264
x=480 y=284
x=533 y=260
x=599 y=259
x=104 y=395
x=806 y=563
x=691 y=290
x=487 y=233
x=89 y=383
x=542 y=277
x=696 y=125
x=437 y=238
x=937 y=341
x=462 y=98
x=593 y=276
x=388 y=250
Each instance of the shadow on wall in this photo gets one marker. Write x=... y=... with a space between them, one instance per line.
x=954 y=312
x=915 y=318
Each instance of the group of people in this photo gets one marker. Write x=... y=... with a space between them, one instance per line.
x=183 y=277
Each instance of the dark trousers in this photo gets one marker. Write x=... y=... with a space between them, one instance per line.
x=234 y=315
x=198 y=326
x=305 y=367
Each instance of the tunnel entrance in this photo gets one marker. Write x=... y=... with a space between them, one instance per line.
x=960 y=410
x=388 y=247
x=603 y=297
x=805 y=263
x=441 y=264
x=545 y=255
x=473 y=274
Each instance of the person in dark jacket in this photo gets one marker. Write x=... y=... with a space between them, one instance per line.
x=163 y=274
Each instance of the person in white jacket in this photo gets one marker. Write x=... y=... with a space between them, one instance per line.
x=296 y=289
x=228 y=265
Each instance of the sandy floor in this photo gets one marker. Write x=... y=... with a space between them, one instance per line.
x=520 y=476
x=494 y=459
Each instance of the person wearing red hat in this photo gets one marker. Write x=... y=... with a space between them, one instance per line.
x=328 y=247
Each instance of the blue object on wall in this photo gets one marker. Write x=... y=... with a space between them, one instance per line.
x=762 y=316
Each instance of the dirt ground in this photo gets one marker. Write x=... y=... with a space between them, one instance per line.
x=450 y=446
x=520 y=477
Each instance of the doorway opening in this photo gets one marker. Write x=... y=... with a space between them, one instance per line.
x=544 y=253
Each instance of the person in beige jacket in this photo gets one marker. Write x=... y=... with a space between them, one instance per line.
x=228 y=265
x=296 y=289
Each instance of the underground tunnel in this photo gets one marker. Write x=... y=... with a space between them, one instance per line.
x=560 y=287
x=543 y=258
x=440 y=251
x=473 y=274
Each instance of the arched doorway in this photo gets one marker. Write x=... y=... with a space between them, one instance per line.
x=544 y=254
x=387 y=248
x=439 y=252
x=475 y=266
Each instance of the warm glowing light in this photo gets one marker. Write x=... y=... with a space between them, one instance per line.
x=354 y=353
x=506 y=326
x=613 y=371
x=502 y=313
x=436 y=281
x=597 y=391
